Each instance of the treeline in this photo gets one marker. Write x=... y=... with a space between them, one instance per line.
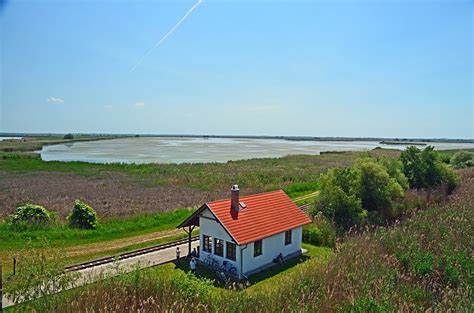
x=372 y=191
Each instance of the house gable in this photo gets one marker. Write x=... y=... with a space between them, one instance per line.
x=210 y=226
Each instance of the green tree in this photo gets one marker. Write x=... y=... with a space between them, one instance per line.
x=413 y=167
x=394 y=168
x=462 y=159
x=377 y=189
x=350 y=195
x=339 y=198
x=424 y=169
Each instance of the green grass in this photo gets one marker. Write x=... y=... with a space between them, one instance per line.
x=128 y=248
x=424 y=263
x=301 y=189
x=63 y=236
x=178 y=277
x=266 y=280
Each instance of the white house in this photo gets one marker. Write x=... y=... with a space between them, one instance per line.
x=248 y=232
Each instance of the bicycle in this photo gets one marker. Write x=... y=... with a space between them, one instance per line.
x=209 y=261
x=229 y=268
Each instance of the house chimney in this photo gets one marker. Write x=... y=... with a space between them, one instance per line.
x=234 y=198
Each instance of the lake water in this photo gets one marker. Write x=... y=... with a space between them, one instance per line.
x=201 y=150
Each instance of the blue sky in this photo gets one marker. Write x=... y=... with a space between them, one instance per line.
x=316 y=68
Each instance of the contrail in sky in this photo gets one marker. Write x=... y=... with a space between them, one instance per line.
x=167 y=34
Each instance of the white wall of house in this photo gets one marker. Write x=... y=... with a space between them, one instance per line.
x=271 y=248
x=212 y=228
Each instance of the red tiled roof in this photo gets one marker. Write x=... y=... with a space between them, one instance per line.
x=266 y=214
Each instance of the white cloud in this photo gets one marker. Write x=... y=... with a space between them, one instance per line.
x=108 y=106
x=54 y=100
x=140 y=104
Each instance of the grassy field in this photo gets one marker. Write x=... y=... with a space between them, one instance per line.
x=119 y=193
x=411 y=266
x=262 y=174
x=111 y=237
x=120 y=190
x=171 y=275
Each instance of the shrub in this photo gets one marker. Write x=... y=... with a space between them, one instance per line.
x=378 y=190
x=31 y=215
x=424 y=169
x=82 y=216
x=339 y=199
x=320 y=233
x=189 y=286
x=68 y=136
x=449 y=178
x=312 y=235
x=366 y=190
x=462 y=159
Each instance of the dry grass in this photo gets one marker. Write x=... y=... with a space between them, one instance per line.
x=118 y=190
x=111 y=194
x=424 y=263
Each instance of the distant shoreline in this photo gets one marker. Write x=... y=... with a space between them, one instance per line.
x=413 y=143
x=382 y=140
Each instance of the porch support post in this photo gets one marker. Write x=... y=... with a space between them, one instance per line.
x=189 y=231
x=189 y=240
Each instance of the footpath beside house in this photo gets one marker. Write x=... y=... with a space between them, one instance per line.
x=248 y=232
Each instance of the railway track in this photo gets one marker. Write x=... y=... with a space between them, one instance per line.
x=134 y=253
x=127 y=255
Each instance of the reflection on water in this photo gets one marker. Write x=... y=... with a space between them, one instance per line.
x=202 y=150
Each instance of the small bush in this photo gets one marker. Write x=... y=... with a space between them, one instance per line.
x=82 y=216
x=68 y=136
x=31 y=215
x=312 y=235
